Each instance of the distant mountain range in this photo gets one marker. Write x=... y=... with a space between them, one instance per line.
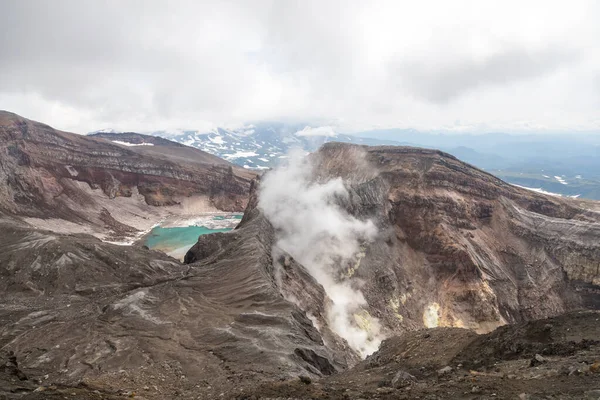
x=259 y=146
x=564 y=164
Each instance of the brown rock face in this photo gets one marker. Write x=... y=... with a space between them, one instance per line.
x=456 y=246
x=43 y=170
x=459 y=247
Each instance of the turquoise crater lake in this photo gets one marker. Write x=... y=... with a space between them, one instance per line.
x=177 y=240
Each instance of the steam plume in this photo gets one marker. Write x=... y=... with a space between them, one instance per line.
x=319 y=234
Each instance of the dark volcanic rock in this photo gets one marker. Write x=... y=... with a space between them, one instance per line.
x=402 y=379
x=409 y=364
x=320 y=363
x=10 y=366
x=79 y=310
x=456 y=248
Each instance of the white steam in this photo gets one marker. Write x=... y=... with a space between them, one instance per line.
x=324 y=238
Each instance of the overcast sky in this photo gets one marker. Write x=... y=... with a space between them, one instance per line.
x=150 y=65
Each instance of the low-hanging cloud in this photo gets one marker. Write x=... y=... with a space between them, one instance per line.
x=151 y=65
x=319 y=131
x=324 y=238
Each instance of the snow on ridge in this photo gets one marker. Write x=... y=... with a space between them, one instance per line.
x=217 y=140
x=132 y=144
x=240 y=154
x=561 y=180
x=538 y=190
x=107 y=130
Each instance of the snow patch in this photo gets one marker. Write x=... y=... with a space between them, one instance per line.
x=240 y=154
x=217 y=140
x=538 y=190
x=561 y=180
x=132 y=144
x=107 y=130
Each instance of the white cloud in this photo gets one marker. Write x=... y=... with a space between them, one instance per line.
x=319 y=131
x=348 y=64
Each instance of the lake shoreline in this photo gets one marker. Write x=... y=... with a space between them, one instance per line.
x=175 y=236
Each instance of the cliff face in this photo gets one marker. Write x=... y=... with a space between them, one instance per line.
x=459 y=247
x=455 y=246
x=53 y=174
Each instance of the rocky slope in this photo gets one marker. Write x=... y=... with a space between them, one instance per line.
x=78 y=312
x=455 y=247
x=95 y=182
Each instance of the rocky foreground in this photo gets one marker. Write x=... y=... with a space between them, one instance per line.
x=455 y=248
x=555 y=358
